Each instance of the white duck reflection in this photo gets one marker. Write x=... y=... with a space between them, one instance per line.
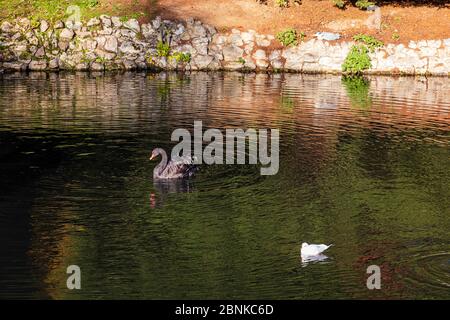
x=313 y=259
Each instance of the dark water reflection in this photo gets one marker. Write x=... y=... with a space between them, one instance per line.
x=363 y=165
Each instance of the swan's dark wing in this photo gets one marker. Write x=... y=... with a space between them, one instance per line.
x=182 y=167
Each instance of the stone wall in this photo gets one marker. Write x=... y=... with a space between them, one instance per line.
x=109 y=43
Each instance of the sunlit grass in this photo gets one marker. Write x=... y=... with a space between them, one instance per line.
x=56 y=9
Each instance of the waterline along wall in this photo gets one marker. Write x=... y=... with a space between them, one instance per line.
x=109 y=43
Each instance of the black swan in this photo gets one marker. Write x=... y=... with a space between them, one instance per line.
x=183 y=168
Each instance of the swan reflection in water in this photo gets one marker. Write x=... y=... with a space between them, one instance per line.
x=320 y=258
x=164 y=187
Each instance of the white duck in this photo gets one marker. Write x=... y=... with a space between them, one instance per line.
x=313 y=249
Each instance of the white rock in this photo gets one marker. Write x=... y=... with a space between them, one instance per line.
x=201 y=45
x=132 y=24
x=202 y=61
x=219 y=39
x=249 y=47
x=38 y=65
x=422 y=43
x=24 y=23
x=235 y=39
x=93 y=22
x=434 y=43
x=106 y=20
x=129 y=64
x=58 y=25
x=232 y=53
x=259 y=54
x=104 y=54
x=156 y=22
x=40 y=52
x=127 y=48
x=89 y=44
x=43 y=26
x=111 y=44
x=127 y=33
x=17 y=65
x=73 y=25
x=180 y=30
x=428 y=51
x=66 y=34
x=276 y=64
x=116 y=22
x=105 y=31
x=262 y=63
x=247 y=37
x=330 y=63
x=54 y=63
x=412 y=44
x=6 y=27
x=262 y=42
x=63 y=45
x=198 y=31
x=97 y=66
x=275 y=55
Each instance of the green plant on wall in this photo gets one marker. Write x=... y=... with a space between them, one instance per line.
x=282 y=3
x=290 y=37
x=357 y=60
x=100 y=60
x=363 y=4
x=162 y=49
x=181 y=57
x=339 y=3
x=395 y=36
x=241 y=60
x=371 y=42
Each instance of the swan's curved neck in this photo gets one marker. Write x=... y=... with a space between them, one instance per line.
x=161 y=166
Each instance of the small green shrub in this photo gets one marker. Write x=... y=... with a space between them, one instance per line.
x=339 y=3
x=363 y=4
x=290 y=37
x=89 y=3
x=25 y=55
x=162 y=49
x=134 y=15
x=357 y=60
x=282 y=3
x=395 y=36
x=371 y=42
x=34 y=23
x=3 y=47
x=100 y=60
x=241 y=60
x=184 y=57
x=150 y=59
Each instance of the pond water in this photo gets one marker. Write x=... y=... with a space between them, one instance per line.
x=364 y=164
